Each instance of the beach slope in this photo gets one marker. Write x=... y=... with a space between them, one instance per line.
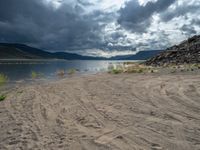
x=101 y=112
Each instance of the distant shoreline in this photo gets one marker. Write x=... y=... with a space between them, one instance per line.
x=32 y=59
x=64 y=60
x=36 y=61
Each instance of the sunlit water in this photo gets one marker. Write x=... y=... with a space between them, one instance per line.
x=18 y=70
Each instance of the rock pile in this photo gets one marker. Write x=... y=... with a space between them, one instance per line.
x=186 y=52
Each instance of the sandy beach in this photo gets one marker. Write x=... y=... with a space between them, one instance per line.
x=104 y=112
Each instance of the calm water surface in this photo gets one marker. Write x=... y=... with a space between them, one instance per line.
x=21 y=70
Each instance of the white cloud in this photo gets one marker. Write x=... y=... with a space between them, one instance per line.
x=54 y=3
x=144 y=2
x=103 y=53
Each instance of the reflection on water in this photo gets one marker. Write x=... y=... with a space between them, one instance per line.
x=22 y=69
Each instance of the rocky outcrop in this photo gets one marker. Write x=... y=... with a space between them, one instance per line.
x=186 y=52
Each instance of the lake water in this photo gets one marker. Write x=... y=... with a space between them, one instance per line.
x=21 y=69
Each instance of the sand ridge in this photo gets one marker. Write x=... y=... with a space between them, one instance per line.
x=101 y=112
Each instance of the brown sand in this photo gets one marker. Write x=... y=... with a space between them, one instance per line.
x=104 y=112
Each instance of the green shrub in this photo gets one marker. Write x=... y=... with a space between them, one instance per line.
x=3 y=79
x=136 y=70
x=151 y=71
x=2 y=97
x=117 y=71
x=141 y=70
x=35 y=75
x=71 y=71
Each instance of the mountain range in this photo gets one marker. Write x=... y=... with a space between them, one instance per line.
x=21 y=51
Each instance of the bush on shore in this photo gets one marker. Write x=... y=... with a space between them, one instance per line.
x=71 y=71
x=35 y=75
x=2 y=97
x=131 y=67
x=3 y=79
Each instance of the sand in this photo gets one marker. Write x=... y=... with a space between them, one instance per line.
x=104 y=112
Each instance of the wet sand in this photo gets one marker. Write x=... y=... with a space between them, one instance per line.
x=104 y=112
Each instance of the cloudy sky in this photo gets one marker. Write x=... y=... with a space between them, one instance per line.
x=99 y=27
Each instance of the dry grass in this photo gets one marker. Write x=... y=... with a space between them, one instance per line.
x=60 y=73
x=131 y=67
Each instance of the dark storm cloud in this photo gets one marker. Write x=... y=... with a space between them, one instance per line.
x=79 y=25
x=85 y=3
x=188 y=30
x=182 y=10
x=33 y=22
x=137 y=18
x=196 y=22
x=117 y=35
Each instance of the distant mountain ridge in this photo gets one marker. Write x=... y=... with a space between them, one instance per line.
x=141 y=55
x=187 y=51
x=21 y=51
